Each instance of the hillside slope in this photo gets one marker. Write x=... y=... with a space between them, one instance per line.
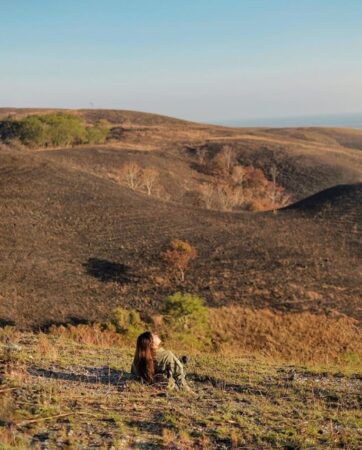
x=75 y=244
x=64 y=393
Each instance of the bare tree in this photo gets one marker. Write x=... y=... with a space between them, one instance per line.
x=238 y=196
x=207 y=191
x=228 y=157
x=228 y=196
x=149 y=179
x=202 y=154
x=238 y=175
x=279 y=198
x=224 y=160
x=273 y=190
x=131 y=172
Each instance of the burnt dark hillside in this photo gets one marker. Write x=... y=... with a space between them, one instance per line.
x=75 y=243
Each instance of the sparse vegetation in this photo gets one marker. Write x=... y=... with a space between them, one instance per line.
x=240 y=187
x=131 y=173
x=231 y=187
x=126 y=322
x=275 y=348
x=85 y=399
x=149 y=179
x=139 y=179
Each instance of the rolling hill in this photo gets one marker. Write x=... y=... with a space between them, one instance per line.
x=75 y=243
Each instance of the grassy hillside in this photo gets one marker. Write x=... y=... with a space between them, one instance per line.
x=76 y=393
x=276 y=360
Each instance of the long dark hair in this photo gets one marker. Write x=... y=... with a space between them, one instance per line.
x=144 y=357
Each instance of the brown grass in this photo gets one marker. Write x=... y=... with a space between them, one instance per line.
x=296 y=337
x=303 y=337
x=85 y=399
x=88 y=335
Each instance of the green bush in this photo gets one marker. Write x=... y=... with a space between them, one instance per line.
x=96 y=134
x=33 y=132
x=127 y=322
x=63 y=129
x=52 y=130
x=185 y=307
x=187 y=319
x=9 y=129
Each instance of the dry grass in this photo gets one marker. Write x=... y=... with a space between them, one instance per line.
x=234 y=330
x=84 y=399
x=88 y=335
x=303 y=337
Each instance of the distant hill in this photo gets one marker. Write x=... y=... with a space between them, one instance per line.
x=352 y=120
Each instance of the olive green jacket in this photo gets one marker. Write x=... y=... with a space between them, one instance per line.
x=167 y=368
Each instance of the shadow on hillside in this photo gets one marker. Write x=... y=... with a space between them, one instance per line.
x=154 y=426
x=105 y=270
x=220 y=384
x=6 y=323
x=70 y=320
x=92 y=375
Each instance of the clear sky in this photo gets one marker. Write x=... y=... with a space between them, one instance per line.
x=196 y=59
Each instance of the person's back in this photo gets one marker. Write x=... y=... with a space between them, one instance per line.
x=152 y=363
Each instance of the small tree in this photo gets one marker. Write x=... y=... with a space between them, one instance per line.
x=202 y=154
x=178 y=256
x=276 y=193
x=98 y=133
x=279 y=198
x=131 y=172
x=207 y=191
x=149 y=179
x=229 y=196
x=225 y=159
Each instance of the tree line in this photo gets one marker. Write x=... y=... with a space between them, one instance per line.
x=52 y=130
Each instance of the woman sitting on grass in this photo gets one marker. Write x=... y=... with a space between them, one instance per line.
x=153 y=364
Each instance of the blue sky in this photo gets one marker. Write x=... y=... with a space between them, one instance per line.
x=203 y=59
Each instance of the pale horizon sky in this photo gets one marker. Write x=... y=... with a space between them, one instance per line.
x=204 y=60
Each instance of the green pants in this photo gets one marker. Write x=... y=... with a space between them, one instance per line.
x=169 y=368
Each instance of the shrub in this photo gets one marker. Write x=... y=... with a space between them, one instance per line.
x=186 y=317
x=178 y=256
x=9 y=129
x=184 y=306
x=52 y=130
x=34 y=132
x=97 y=134
x=127 y=322
x=243 y=187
